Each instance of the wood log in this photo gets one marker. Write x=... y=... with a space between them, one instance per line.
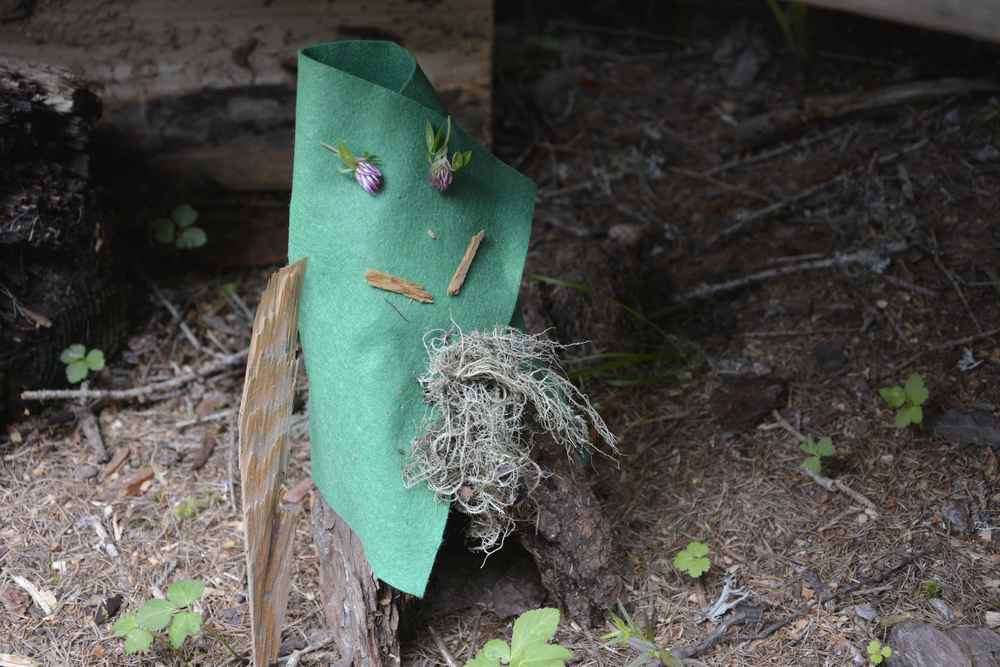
x=362 y=611
x=973 y=18
x=58 y=281
x=569 y=535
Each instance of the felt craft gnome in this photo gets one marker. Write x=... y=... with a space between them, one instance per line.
x=375 y=357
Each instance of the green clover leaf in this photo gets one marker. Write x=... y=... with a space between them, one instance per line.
x=824 y=447
x=877 y=653
x=911 y=414
x=916 y=390
x=814 y=464
x=692 y=559
x=154 y=615
x=77 y=371
x=73 y=353
x=183 y=625
x=192 y=237
x=95 y=360
x=184 y=216
x=894 y=396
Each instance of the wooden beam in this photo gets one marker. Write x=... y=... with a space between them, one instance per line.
x=206 y=88
x=265 y=411
x=974 y=18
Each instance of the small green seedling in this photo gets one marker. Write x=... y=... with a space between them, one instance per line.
x=693 y=559
x=191 y=506
x=793 y=19
x=932 y=589
x=79 y=362
x=529 y=646
x=179 y=229
x=625 y=632
x=877 y=653
x=907 y=400
x=817 y=450
x=172 y=614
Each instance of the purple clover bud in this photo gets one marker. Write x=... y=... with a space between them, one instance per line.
x=368 y=176
x=442 y=174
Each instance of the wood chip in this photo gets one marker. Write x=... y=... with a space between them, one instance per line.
x=133 y=484
x=10 y=660
x=45 y=600
x=118 y=459
x=391 y=283
x=457 y=280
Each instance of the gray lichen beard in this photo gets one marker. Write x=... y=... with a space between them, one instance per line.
x=487 y=393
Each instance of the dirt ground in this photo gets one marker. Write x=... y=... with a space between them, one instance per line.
x=649 y=187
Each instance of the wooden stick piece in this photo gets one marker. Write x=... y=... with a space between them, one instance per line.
x=391 y=283
x=265 y=413
x=458 y=279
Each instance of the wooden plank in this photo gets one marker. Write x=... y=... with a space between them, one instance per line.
x=265 y=411
x=206 y=87
x=974 y=18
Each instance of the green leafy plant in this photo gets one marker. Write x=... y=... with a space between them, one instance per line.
x=191 y=506
x=932 y=589
x=907 y=400
x=625 y=632
x=179 y=229
x=693 y=559
x=529 y=646
x=172 y=614
x=817 y=451
x=79 y=362
x=793 y=19
x=877 y=653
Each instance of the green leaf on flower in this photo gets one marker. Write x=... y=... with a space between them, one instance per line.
x=138 y=641
x=916 y=390
x=95 y=360
x=346 y=156
x=429 y=137
x=183 y=625
x=73 y=353
x=894 y=396
x=154 y=615
x=77 y=371
x=184 y=215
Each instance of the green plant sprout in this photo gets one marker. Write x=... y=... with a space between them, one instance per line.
x=693 y=559
x=179 y=229
x=79 y=362
x=627 y=633
x=529 y=645
x=817 y=451
x=191 y=506
x=932 y=589
x=157 y=614
x=907 y=400
x=793 y=19
x=877 y=653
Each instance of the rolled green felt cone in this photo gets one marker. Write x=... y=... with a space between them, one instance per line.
x=364 y=347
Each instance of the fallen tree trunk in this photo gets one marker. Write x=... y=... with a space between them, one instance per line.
x=57 y=278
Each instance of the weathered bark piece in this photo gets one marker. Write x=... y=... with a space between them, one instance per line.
x=265 y=412
x=916 y=644
x=206 y=88
x=57 y=279
x=457 y=280
x=362 y=611
x=966 y=17
x=390 y=283
x=569 y=536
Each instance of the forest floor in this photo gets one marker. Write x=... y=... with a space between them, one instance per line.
x=864 y=246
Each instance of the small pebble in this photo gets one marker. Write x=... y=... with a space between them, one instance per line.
x=943 y=609
x=866 y=612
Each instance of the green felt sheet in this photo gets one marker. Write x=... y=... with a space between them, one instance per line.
x=364 y=347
